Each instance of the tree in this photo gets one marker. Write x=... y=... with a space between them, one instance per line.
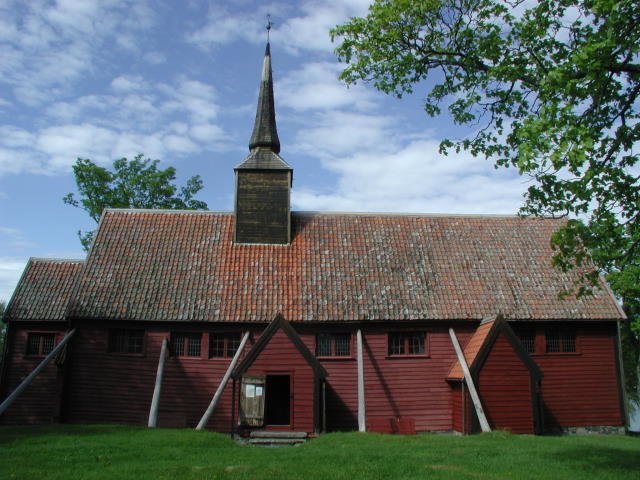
x=551 y=88
x=136 y=183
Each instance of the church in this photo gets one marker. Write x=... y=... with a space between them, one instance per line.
x=267 y=319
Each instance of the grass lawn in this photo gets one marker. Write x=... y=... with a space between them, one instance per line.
x=114 y=452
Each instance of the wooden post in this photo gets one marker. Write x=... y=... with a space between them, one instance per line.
x=362 y=426
x=155 y=401
x=223 y=384
x=25 y=383
x=484 y=424
x=324 y=406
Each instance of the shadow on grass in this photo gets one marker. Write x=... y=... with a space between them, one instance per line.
x=10 y=434
x=603 y=458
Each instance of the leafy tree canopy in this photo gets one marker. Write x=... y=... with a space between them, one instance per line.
x=136 y=183
x=552 y=89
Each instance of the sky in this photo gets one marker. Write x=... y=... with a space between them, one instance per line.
x=178 y=81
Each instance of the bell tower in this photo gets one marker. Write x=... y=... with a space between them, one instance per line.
x=263 y=179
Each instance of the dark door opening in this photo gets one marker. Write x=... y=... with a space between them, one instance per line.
x=278 y=400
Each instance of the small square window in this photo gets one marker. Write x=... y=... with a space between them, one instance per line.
x=223 y=344
x=333 y=345
x=560 y=341
x=528 y=341
x=123 y=340
x=185 y=344
x=407 y=343
x=40 y=344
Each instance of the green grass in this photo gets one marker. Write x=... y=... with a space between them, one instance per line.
x=114 y=452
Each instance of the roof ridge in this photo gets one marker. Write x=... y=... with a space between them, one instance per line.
x=421 y=215
x=168 y=211
x=56 y=260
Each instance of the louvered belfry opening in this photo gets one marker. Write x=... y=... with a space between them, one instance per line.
x=263 y=179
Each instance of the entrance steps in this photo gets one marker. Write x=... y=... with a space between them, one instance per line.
x=275 y=438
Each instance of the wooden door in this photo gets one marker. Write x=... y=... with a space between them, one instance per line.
x=252 y=401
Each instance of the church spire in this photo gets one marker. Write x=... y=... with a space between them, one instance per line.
x=265 y=133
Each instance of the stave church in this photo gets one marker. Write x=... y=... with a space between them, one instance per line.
x=265 y=319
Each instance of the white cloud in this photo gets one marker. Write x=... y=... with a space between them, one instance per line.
x=46 y=48
x=415 y=179
x=297 y=27
x=341 y=133
x=316 y=86
x=10 y=270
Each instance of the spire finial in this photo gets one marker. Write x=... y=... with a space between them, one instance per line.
x=269 y=25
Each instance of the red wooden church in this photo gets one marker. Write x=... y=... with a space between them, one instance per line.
x=311 y=322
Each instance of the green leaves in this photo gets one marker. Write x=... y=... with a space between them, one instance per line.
x=554 y=88
x=136 y=183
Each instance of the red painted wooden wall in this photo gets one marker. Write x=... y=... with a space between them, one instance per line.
x=108 y=387
x=504 y=387
x=281 y=357
x=40 y=402
x=581 y=389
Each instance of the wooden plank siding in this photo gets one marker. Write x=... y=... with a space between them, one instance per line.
x=580 y=389
x=117 y=388
x=281 y=357
x=412 y=387
x=504 y=386
x=40 y=402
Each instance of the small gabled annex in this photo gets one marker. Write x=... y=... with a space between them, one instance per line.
x=507 y=379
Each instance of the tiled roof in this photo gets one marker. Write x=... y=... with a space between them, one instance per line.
x=44 y=290
x=165 y=265
x=471 y=349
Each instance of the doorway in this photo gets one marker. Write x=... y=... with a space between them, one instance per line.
x=278 y=400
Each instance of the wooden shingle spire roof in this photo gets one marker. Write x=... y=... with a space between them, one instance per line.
x=264 y=144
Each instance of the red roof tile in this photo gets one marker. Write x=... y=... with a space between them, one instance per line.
x=471 y=349
x=44 y=290
x=163 y=265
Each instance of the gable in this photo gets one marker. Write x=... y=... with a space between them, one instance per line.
x=481 y=344
x=184 y=266
x=44 y=290
x=279 y=327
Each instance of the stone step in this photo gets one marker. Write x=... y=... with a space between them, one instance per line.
x=278 y=434
x=276 y=441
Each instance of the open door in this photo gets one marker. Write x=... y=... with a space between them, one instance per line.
x=278 y=400
x=252 y=401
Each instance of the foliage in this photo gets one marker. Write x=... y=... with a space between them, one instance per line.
x=136 y=183
x=551 y=87
x=105 y=451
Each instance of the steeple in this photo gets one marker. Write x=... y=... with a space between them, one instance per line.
x=265 y=133
x=263 y=179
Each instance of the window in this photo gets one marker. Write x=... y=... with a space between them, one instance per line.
x=528 y=340
x=559 y=341
x=185 y=344
x=410 y=343
x=40 y=343
x=333 y=345
x=223 y=344
x=123 y=340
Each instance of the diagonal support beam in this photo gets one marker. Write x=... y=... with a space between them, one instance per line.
x=25 y=383
x=216 y=397
x=484 y=424
x=155 y=401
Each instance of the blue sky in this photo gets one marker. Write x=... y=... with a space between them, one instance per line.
x=178 y=81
